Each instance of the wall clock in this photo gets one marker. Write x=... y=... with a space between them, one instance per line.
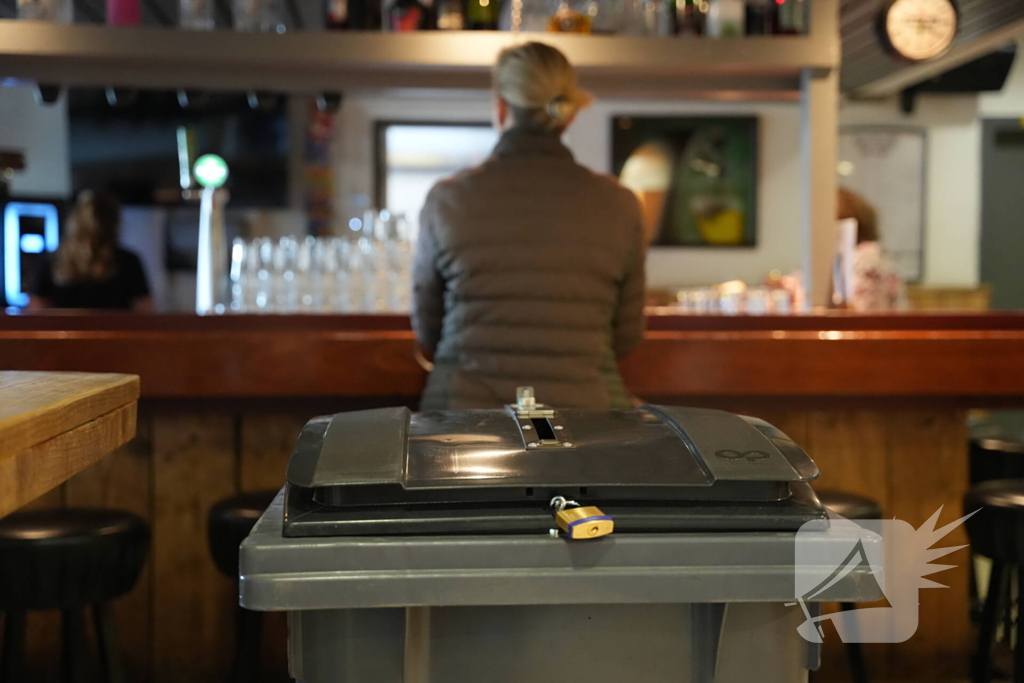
x=918 y=30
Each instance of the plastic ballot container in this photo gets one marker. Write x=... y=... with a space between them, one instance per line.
x=531 y=543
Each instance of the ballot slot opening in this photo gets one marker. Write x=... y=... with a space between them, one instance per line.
x=545 y=432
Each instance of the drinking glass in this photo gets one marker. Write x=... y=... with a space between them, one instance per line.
x=303 y=274
x=399 y=246
x=264 y=274
x=731 y=303
x=285 y=293
x=782 y=302
x=237 y=274
x=57 y=11
x=196 y=15
x=258 y=15
x=758 y=301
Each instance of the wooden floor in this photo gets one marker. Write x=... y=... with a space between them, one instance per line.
x=177 y=625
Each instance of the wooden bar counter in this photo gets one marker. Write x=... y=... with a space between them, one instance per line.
x=878 y=401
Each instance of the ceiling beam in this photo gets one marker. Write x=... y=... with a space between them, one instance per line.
x=962 y=53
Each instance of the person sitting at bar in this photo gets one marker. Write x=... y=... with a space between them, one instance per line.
x=529 y=269
x=89 y=269
x=877 y=285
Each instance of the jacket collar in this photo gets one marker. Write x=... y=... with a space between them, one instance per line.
x=524 y=142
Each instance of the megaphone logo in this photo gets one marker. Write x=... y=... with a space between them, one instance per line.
x=891 y=552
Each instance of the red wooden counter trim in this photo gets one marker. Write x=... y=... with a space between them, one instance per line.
x=961 y=357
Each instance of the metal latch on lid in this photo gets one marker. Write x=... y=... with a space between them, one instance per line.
x=540 y=426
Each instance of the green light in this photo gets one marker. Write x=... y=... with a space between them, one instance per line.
x=210 y=170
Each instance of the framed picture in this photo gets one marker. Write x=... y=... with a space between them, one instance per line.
x=886 y=165
x=696 y=177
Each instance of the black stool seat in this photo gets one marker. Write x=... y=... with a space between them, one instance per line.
x=231 y=520
x=997 y=530
x=850 y=505
x=69 y=557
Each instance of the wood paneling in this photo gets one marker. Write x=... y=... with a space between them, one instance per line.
x=928 y=470
x=181 y=463
x=194 y=466
x=267 y=443
x=267 y=440
x=124 y=481
x=851 y=451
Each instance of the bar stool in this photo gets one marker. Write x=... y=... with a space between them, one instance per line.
x=997 y=532
x=852 y=507
x=68 y=559
x=230 y=522
x=997 y=447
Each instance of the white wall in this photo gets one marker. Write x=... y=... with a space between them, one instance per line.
x=953 y=206
x=952 y=179
x=41 y=133
x=1009 y=102
x=590 y=140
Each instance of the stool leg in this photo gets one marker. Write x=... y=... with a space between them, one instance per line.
x=1018 y=651
x=106 y=638
x=858 y=670
x=73 y=658
x=247 y=645
x=12 y=667
x=997 y=584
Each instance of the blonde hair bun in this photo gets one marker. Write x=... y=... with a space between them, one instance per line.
x=539 y=83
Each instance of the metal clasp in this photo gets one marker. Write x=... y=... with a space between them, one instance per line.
x=540 y=426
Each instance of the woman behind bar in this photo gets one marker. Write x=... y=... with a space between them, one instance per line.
x=89 y=269
x=529 y=268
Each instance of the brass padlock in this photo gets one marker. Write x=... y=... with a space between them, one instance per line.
x=581 y=523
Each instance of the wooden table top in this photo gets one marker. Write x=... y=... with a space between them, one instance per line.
x=55 y=424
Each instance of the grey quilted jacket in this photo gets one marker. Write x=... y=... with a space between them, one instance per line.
x=529 y=269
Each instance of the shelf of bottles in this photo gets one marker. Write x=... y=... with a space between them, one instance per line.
x=664 y=18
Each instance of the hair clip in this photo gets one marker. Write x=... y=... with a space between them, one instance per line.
x=559 y=108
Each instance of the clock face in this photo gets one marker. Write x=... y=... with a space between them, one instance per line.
x=920 y=29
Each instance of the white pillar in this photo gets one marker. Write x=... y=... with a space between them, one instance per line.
x=818 y=141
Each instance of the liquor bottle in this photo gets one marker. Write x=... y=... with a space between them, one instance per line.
x=567 y=19
x=606 y=16
x=450 y=16
x=689 y=18
x=123 y=12
x=726 y=19
x=535 y=15
x=482 y=15
x=790 y=17
x=337 y=16
x=407 y=15
x=758 y=17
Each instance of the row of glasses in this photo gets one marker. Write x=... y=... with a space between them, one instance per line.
x=367 y=269
x=749 y=301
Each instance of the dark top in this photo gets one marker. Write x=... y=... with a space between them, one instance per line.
x=529 y=271
x=120 y=290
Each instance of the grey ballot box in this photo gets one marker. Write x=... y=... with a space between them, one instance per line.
x=682 y=607
x=415 y=548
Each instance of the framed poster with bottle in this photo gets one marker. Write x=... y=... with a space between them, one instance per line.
x=695 y=177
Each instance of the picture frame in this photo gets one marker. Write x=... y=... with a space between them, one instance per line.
x=696 y=177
